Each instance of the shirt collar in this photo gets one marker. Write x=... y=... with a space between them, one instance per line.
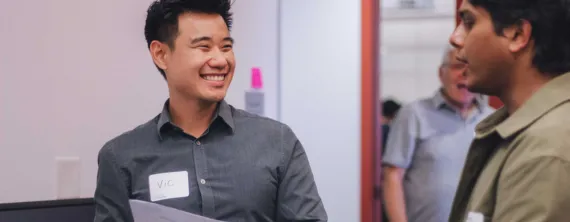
x=223 y=111
x=439 y=100
x=552 y=94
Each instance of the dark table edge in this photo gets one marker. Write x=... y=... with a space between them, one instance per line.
x=46 y=204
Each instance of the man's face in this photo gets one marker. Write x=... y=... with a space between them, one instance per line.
x=454 y=81
x=202 y=63
x=485 y=53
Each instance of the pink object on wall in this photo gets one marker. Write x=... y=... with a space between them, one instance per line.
x=256 y=82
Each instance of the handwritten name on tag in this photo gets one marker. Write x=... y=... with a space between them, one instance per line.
x=164 y=186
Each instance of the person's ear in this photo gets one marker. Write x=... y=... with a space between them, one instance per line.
x=518 y=35
x=441 y=72
x=159 y=52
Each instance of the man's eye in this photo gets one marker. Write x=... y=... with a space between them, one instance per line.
x=468 y=23
x=228 y=46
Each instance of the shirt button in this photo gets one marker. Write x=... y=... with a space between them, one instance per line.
x=202 y=181
x=198 y=143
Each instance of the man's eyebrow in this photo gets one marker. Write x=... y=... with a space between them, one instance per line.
x=229 y=39
x=200 y=39
x=206 y=38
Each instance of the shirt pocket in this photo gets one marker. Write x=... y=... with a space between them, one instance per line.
x=431 y=148
x=444 y=146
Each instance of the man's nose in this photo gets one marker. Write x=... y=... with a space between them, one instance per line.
x=218 y=60
x=457 y=37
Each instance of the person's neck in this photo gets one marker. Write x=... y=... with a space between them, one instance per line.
x=522 y=86
x=466 y=109
x=191 y=115
x=463 y=108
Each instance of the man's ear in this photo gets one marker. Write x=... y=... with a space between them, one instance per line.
x=159 y=52
x=519 y=35
x=440 y=73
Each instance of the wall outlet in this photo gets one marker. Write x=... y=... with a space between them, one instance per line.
x=68 y=177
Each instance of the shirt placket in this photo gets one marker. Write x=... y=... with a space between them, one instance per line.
x=477 y=158
x=206 y=193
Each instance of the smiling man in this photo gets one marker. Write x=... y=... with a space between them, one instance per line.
x=200 y=154
x=427 y=145
x=518 y=166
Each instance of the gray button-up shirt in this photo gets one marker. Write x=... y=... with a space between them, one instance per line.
x=430 y=140
x=244 y=168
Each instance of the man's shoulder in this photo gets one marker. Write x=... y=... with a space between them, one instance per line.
x=421 y=103
x=416 y=106
x=259 y=124
x=553 y=126
x=549 y=135
x=556 y=118
x=264 y=132
x=131 y=139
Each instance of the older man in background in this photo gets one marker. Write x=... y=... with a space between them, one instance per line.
x=427 y=146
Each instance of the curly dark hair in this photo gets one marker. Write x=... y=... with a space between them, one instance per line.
x=162 y=18
x=550 y=21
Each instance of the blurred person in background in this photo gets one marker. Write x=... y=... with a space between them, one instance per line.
x=390 y=109
x=518 y=167
x=427 y=145
x=200 y=154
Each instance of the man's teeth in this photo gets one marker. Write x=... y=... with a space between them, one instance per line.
x=214 y=77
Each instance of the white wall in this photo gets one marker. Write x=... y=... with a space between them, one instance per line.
x=71 y=79
x=412 y=45
x=320 y=72
x=255 y=31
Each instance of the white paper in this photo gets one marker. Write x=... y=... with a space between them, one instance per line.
x=168 y=185
x=150 y=212
x=475 y=217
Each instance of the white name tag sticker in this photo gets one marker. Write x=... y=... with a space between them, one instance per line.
x=164 y=186
x=475 y=217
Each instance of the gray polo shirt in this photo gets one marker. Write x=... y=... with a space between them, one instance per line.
x=244 y=168
x=430 y=139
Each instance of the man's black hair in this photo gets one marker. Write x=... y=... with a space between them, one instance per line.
x=550 y=20
x=390 y=108
x=162 y=18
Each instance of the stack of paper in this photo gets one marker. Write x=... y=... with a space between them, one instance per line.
x=150 y=212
